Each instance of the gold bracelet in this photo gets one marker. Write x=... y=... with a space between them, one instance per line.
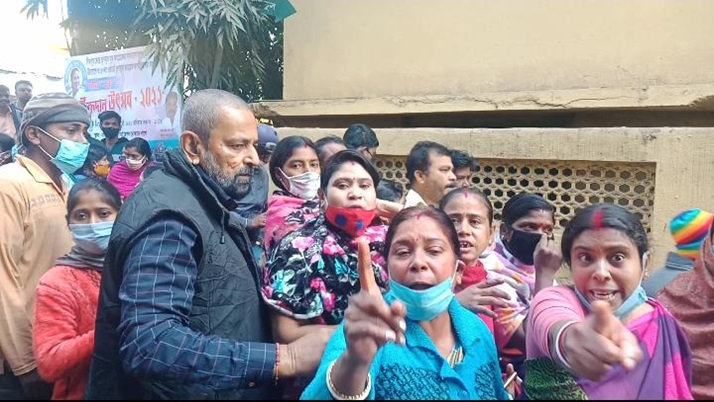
x=339 y=395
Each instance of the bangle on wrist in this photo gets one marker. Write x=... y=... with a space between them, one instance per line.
x=339 y=395
x=558 y=344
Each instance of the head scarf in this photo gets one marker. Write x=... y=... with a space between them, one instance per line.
x=78 y=258
x=690 y=299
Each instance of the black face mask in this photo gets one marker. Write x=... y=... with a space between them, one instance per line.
x=522 y=245
x=110 y=132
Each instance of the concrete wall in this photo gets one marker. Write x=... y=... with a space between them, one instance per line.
x=404 y=56
x=516 y=63
x=683 y=157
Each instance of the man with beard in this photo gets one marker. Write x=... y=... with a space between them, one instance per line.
x=180 y=314
x=251 y=208
x=110 y=123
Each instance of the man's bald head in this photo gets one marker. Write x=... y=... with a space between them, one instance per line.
x=200 y=113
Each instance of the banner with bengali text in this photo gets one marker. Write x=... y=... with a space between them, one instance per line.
x=123 y=81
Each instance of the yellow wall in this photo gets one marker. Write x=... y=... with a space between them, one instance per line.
x=610 y=62
x=497 y=55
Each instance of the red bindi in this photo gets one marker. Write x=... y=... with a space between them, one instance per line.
x=597 y=219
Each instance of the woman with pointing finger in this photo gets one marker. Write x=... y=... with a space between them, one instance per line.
x=416 y=341
x=603 y=338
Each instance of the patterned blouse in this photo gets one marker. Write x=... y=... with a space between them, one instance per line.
x=286 y=214
x=312 y=272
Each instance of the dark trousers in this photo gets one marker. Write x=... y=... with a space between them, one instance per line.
x=11 y=388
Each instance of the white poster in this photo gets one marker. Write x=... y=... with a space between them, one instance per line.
x=122 y=81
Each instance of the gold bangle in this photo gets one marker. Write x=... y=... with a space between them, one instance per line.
x=342 y=397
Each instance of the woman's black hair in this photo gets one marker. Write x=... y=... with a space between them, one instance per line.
x=445 y=200
x=360 y=135
x=108 y=192
x=323 y=142
x=604 y=216
x=283 y=151
x=522 y=204
x=390 y=190
x=140 y=145
x=342 y=157
x=95 y=154
x=423 y=211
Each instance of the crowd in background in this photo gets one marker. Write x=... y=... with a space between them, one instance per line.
x=125 y=277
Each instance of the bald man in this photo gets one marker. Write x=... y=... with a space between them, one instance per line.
x=180 y=315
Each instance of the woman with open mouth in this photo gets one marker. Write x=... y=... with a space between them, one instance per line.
x=471 y=212
x=416 y=341
x=603 y=338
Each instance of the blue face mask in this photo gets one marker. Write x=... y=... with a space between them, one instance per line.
x=634 y=300
x=93 y=238
x=424 y=305
x=71 y=155
x=14 y=151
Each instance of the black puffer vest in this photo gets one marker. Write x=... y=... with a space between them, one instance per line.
x=226 y=302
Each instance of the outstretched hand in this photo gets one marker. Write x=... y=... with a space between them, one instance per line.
x=478 y=297
x=593 y=346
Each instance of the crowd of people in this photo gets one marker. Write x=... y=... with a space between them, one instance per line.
x=126 y=278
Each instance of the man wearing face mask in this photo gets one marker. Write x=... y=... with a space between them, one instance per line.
x=110 y=123
x=251 y=208
x=180 y=314
x=33 y=227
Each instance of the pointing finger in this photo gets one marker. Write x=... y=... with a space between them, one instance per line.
x=603 y=323
x=364 y=265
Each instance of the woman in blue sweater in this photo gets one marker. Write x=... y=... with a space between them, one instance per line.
x=416 y=341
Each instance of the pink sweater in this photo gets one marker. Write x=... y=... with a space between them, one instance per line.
x=63 y=331
x=550 y=306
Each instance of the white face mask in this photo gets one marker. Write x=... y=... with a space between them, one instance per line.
x=304 y=185
x=135 y=165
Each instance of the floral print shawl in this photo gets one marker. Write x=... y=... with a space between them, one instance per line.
x=312 y=272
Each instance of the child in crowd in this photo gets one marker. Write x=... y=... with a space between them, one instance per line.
x=67 y=295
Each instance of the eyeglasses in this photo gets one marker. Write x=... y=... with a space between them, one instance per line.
x=371 y=155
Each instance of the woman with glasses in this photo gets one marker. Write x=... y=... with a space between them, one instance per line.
x=126 y=175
